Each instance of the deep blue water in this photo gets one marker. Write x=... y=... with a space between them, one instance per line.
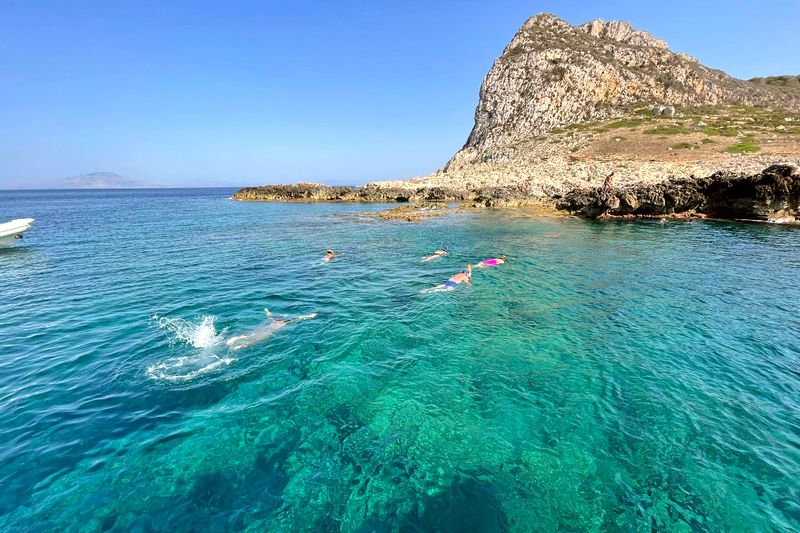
x=628 y=376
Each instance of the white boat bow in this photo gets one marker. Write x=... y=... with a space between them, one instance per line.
x=12 y=231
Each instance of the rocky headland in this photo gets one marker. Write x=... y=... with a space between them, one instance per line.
x=564 y=106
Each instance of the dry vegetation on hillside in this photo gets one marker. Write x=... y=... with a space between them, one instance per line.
x=702 y=133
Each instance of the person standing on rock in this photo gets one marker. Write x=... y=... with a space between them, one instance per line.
x=608 y=184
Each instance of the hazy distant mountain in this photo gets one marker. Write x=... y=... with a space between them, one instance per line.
x=103 y=180
x=93 y=180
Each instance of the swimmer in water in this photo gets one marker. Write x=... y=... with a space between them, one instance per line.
x=264 y=332
x=328 y=256
x=435 y=255
x=453 y=282
x=492 y=262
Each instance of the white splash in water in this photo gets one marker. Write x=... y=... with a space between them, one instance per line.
x=202 y=335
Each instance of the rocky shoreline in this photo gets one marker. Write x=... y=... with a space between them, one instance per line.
x=772 y=195
x=508 y=196
x=316 y=192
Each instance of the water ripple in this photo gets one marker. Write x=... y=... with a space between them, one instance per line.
x=614 y=376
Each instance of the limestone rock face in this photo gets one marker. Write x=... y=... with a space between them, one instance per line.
x=621 y=31
x=553 y=74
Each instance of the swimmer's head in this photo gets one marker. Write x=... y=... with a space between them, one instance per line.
x=503 y=257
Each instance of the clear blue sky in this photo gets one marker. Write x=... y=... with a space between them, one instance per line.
x=247 y=92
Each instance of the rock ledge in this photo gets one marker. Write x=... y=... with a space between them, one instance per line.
x=773 y=195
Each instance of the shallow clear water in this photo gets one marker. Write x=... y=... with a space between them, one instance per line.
x=612 y=376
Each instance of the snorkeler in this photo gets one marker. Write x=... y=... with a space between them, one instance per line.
x=453 y=282
x=328 y=255
x=492 y=262
x=264 y=332
x=436 y=255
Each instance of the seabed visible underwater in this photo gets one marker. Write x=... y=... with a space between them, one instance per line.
x=617 y=376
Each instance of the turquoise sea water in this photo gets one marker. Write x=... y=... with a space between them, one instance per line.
x=611 y=377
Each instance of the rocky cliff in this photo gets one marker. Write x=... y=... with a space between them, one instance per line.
x=565 y=106
x=554 y=74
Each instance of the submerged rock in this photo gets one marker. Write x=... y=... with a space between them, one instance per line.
x=771 y=195
x=411 y=212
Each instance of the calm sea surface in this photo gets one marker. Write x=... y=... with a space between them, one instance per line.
x=611 y=377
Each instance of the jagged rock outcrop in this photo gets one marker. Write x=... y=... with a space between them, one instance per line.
x=771 y=195
x=316 y=192
x=554 y=74
x=300 y=192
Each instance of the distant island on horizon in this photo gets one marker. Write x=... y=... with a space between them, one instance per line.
x=92 y=180
x=102 y=181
